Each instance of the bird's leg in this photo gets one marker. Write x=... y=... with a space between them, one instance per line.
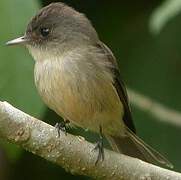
x=62 y=126
x=99 y=146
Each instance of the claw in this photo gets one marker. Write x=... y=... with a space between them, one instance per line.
x=100 y=147
x=62 y=126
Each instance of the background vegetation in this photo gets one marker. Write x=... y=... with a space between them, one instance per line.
x=145 y=38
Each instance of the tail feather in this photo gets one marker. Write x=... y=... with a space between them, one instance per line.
x=133 y=146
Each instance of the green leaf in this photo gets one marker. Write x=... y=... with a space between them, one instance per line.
x=163 y=14
x=16 y=65
x=13 y=151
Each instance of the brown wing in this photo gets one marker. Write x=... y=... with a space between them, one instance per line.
x=119 y=85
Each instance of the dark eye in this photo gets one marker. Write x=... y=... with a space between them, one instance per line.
x=44 y=31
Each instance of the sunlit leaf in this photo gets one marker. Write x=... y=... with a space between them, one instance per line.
x=163 y=14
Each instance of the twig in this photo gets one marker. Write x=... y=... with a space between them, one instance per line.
x=72 y=152
x=154 y=108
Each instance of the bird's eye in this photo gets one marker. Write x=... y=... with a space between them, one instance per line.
x=44 y=31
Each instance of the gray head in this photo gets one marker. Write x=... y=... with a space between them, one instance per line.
x=57 y=27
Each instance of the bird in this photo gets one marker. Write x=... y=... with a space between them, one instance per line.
x=78 y=77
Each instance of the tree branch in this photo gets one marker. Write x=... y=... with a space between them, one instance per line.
x=154 y=108
x=71 y=152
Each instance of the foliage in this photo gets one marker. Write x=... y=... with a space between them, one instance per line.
x=16 y=66
x=149 y=64
x=163 y=14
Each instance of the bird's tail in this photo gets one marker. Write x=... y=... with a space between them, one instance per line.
x=133 y=146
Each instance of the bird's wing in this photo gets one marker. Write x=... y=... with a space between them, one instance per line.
x=130 y=144
x=119 y=85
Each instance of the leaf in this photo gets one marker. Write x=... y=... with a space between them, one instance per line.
x=163 y=14
x=16 y=65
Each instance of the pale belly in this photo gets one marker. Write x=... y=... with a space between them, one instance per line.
x=86 y=102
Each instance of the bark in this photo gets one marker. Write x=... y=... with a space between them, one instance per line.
x=72 y=152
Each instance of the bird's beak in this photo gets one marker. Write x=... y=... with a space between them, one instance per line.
x=20 y=40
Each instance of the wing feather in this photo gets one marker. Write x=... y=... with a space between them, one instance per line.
x=119 y=85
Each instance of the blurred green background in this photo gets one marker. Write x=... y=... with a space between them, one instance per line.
x=145 y=38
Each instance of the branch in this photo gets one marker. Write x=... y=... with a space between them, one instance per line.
x=154 y=108
x=72 y=152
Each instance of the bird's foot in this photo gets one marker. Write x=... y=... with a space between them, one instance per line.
x=100 y=147
x=62 y=126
